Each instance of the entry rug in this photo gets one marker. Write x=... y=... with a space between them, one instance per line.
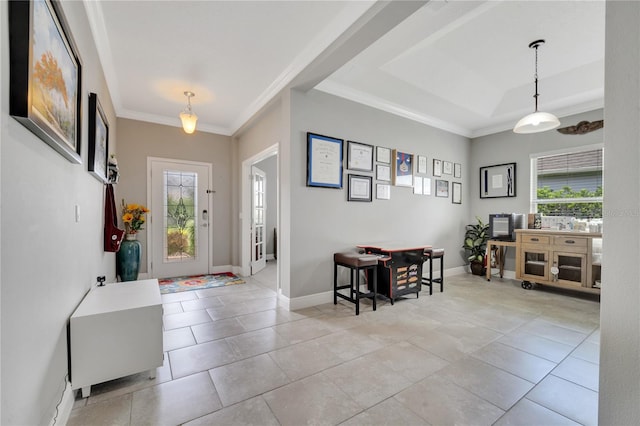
x=198 y=282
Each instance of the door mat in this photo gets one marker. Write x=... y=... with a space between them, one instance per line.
x=198 y=282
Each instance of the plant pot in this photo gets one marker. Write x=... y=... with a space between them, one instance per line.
x=477 y=268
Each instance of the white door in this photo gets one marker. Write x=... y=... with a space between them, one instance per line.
x=180 y=212
x=259 y=220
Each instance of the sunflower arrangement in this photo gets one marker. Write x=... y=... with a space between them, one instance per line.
x=133 y=217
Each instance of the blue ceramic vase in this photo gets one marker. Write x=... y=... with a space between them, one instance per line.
x=128 y=258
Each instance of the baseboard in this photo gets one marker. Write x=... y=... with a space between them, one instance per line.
x=327 y=296
x=223 y=268
x=270 y=256
x=64 y=407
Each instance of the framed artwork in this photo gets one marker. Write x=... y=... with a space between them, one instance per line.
x=456 y=193
x=383 y=172
x=402 y=169
x=324 y=161
x=383 y=191
x=437 y=167
x=447 y=167
x=98 y=140
x=417 y=186
x=422 y=164
x=359 y=156
x=426 y=186
x=498 y=181
x=383 y=155
x=45 y=75
x=359 y=188
x=457 y=170
x=442 y=188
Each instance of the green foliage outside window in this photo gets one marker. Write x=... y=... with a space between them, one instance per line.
x=580 y=210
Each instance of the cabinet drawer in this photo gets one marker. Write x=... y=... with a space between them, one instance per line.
x=535 y=239
x=570 y=241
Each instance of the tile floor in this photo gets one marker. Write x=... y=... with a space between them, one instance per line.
x=481 y=353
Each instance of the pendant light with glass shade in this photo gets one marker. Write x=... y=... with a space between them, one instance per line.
x=187 y=116
x=537 y=121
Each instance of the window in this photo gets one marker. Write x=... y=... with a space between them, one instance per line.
x=568 y=183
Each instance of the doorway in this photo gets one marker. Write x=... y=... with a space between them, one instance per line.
x=179 y=231
x=259 y=223
x=247 y=237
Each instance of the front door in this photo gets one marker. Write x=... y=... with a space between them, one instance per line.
x=259 y=218
x=180 y=212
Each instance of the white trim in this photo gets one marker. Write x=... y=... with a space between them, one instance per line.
x=149 y=233
x=327 y=296
x=65 y=406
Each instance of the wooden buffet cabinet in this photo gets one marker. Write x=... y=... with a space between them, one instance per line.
x=557 y=258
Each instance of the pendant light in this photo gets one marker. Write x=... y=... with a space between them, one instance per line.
x=187 y=116
x=538 y=121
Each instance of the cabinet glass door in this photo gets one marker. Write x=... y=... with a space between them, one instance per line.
x=535 y=264
x=571 y=267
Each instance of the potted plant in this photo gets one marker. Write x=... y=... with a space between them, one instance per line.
x=475 y=245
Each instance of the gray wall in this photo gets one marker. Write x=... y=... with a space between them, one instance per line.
x=140 y=140
x=620 y=300
x=508 y=147
x=270 y=167
x=323 y=221
x=48 y=261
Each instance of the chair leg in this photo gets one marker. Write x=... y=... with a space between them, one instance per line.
x=335 y=283
x=441 y=274
x=430 y=276
x=374 y=272
x=357 y=289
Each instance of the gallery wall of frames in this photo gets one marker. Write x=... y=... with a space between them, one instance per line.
x=372 y=171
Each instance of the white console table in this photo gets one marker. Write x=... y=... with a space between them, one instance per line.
x=116 y=331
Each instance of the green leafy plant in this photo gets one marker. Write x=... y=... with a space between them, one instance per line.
x=475 y=241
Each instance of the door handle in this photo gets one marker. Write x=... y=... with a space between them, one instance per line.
x=205 y=218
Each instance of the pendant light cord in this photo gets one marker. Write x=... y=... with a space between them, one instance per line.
x=535 y=76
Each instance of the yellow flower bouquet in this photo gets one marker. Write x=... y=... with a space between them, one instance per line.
x=133 y=217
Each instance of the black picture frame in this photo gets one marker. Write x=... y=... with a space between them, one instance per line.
x=456 y=192
x=98 y=160
x=359 y=188
x=498 y=181
x=50 y=109
x=324 y=161
x=359 y=156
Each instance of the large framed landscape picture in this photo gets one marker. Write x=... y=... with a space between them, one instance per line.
x=45 y=75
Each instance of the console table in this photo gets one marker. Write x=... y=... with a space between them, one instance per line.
x=399 y=268
x=500 y=255
x=116 y=331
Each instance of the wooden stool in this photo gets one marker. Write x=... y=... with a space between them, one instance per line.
x=430 y=255
x=356 y=262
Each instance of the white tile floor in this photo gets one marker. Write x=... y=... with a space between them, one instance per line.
x=481 y=353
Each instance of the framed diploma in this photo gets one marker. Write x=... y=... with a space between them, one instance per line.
x=324 y=161
x=359 y=156
x=359 y=188
x=383 y=172
x=422 y=164
x=383 y=155
x=456 y=193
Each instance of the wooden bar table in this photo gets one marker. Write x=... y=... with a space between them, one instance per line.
x=399 y=268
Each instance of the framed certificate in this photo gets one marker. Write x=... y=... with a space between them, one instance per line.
x=383 y=155
x=383 y=172
x=359 y=156
x=359 y=188
x=324 y=161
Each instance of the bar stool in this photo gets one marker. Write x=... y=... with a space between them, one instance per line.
x=356 y=262
x=430 y=255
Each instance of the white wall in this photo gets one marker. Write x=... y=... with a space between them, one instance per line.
x=620 y=299
x=48 y=260
x=508 y=147
x=324 y=222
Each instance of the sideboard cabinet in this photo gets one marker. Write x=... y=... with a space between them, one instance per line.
x=116 y=331
x=557 y=258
